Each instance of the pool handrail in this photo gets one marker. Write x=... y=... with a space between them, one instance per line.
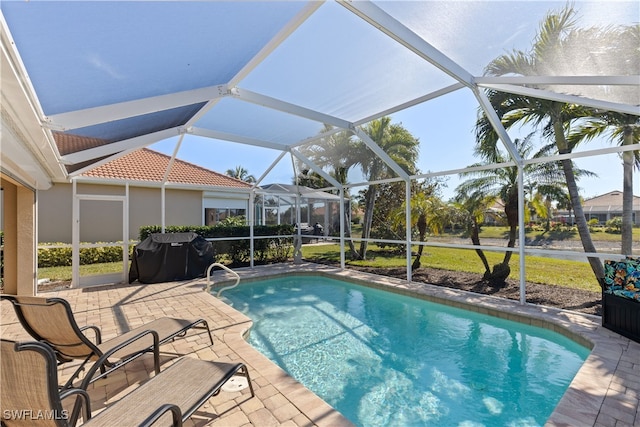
x=224 y=267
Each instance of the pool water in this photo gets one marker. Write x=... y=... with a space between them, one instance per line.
x=384 y=359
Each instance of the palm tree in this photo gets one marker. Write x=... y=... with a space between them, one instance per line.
x=241 y=173
x=336 y=154
x=428 y=213
x=469 y=210
x=502 y=183
x=623 y=129
x=401 y=146
x=553 y=117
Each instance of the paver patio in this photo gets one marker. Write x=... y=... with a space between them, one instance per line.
x=605 y=392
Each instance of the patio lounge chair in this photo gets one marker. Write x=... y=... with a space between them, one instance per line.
x=29 y=391
x=51 y=320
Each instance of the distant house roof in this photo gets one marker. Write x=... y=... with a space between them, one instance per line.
x=291 y=189
x=147 y=165
x=611 y=201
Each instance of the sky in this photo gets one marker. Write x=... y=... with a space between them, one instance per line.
x=439 y=125
x=444 y=126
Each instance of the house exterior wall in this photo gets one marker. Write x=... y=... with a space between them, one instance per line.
x=18 y=222
x=102 y=221
x=55 y=207
x=177 y=201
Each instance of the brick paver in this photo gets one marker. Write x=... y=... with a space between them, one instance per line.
x=604 y=393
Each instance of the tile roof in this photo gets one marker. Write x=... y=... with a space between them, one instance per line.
x=150 y=166
x=69 y=143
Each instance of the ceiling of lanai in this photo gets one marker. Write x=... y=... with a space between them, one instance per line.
x=104 y=78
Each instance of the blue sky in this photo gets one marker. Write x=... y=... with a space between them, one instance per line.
x=444 y=126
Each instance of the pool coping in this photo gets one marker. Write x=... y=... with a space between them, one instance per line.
x=587 y=400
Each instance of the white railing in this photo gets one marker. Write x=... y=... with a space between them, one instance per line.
x=224 y=267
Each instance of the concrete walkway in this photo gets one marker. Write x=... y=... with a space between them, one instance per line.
x=605 y=392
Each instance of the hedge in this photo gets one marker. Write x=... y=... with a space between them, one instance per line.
x=61 y=256
x=269 y=249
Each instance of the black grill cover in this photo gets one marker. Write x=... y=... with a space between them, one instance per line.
x=169 y=257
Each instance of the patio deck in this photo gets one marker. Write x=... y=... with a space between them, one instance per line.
x=605 y=392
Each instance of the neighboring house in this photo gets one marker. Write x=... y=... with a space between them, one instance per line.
x=120 y=196
x=605 y=207
x=494 y=215
x=279 y=201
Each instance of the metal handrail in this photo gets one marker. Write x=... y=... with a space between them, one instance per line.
x=224 y=267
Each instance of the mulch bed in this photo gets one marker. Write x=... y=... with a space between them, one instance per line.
x=536 y=293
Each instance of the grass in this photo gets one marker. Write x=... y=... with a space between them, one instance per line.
x=566 y=273
x=65 y=273
x=597 y=234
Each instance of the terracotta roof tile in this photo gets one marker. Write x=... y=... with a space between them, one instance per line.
x=69 y=143
x=148 y=165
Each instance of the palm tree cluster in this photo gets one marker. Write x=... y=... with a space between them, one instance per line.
x=560 y=48
x=341 y=151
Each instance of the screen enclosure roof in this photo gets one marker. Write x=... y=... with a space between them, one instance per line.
x=109 y=77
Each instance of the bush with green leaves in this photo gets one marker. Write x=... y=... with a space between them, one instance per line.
x=268 y=247
x=60 y=255
x=614 y=225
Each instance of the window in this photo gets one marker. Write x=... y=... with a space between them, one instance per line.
x=212 y=216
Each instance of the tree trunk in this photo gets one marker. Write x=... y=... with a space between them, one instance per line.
x=511 y=211
x=422 y=230
x=347 y=223
x=627 y=194
x=369 y=203
x=475 y=239
x=578 y=213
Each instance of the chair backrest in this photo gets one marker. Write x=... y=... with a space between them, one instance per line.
x=29 y=385
x=51 y=320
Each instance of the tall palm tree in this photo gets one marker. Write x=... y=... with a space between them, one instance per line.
x=241 y=173
x=336 y=154
x=623 y=129
x=554 y=43
x=503 y=183
x=401 y=146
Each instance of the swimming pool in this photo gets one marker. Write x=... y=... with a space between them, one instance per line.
x=386 y=359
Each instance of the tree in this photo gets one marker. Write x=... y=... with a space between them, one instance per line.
x=428 y=213
x=554 y=44
x=502 y=183
x=469 y=209
x=336 y=154
x=402 y=148
x=623 y=129
x=241 y=173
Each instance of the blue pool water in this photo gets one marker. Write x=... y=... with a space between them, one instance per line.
x=384 y=359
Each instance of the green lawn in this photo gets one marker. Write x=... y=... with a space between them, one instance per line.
x=65 y=273
x=567 y=273
x=597 y=234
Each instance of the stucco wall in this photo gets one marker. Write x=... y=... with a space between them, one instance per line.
x=54 y=214
x=102 y=221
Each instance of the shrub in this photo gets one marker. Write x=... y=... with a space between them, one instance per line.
x=268 y=249
x=614 y=225
x=61 y=255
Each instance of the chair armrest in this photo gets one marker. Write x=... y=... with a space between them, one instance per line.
x=176 y=415
x=82 y=399
x=96 y=331
x=105 y=356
